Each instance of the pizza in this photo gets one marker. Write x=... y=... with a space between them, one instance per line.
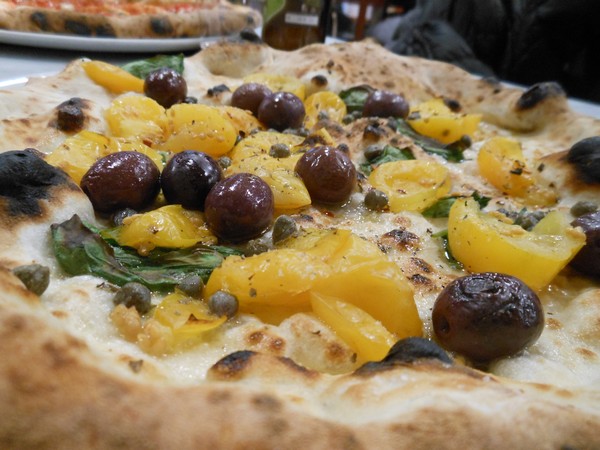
x=132 y=19
x=334 y=247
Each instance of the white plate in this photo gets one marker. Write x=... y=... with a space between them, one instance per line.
x=98 y=44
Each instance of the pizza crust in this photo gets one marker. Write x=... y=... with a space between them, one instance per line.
x=62 y=393
x=210 y=19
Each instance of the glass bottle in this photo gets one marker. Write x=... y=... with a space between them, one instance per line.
x=296 y=23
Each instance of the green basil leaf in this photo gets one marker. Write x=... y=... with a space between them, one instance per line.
x=441 y=208
x=451 y=152
x=389 y=154
x=141 y=68
x=355 y=97
x=452 y=261
x=79 y=251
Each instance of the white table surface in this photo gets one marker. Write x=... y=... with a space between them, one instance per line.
x=17 y=63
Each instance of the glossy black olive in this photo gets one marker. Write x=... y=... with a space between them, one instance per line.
x=121 y=180
x=166 y=86
x=585 y=155
x=587 y=260
x=487 y=316
x=35 y=277
x=188 y=177
x=239 y=208
x=222 y=303
x=281 y=110
x=328 y=174
x=136 y=295
x=249 y=96
x=385 y=104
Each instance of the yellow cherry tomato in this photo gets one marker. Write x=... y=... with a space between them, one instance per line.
x=136 y=116
x=486 y=243
x=188 y=319
x=411 y=185
x=171 y=226
x=199 y=127
x=435 y=120
x=280 y=278
x=112 y=77
x=366 y=336
x=324 y=102
x=278 y=83
x=78 y=152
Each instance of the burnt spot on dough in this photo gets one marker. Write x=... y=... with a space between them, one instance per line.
x=25 y=180
x=422 y=265
x=537 y=93
x=401 y=239
x=105 y=30
x=420 y=280
x=266 y=402
x=161 y=26
x=77 y=27
x=40 y=20
x=407 y=351
x=248 y=34
x=70 y=115
x=217 y=90
x=319 y=81
x=232 y=365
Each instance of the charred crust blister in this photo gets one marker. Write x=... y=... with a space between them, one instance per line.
x=161 y=26
x=232 y=365
x=25 y=179
x=407 y=351
x=537 y=93
x=77 y=27
x=40 y=20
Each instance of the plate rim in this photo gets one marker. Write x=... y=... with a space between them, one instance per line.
x=102 y=44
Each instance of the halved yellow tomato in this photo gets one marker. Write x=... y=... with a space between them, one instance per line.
x=435 y=120
x=485 y=243
x=170 y=226
x=411 y=185
x=136 y=116
x=279 y=277
x=112 y=77
x=189 y=319
x=366 y=336
x=278 y=83
x=324 y=102
x=199 y=127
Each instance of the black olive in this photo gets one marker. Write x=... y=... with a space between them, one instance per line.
x=585 y=155
x=281 y=110
x=376 y=200
x=188 y=177
x=192 y=286
x=249 y=96
x=328 y=174
x=122 y=180
x=35 y=277
x=239 y=208
x=136 y=295
x=166 y=86
x=587 y=260
x=283 y=228
x=385 y=104
x=223 y=304
x=70 y=116
x=487 y=316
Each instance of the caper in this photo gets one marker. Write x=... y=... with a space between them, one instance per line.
x=35 y=277
x=222 y=303
x=119 y=216
x=373 y=151
x=376 y=200
x=583 y=207
x=283 y=228
x=191 y=286
x=136 y=295
x=224 y=162
x=280 y=150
